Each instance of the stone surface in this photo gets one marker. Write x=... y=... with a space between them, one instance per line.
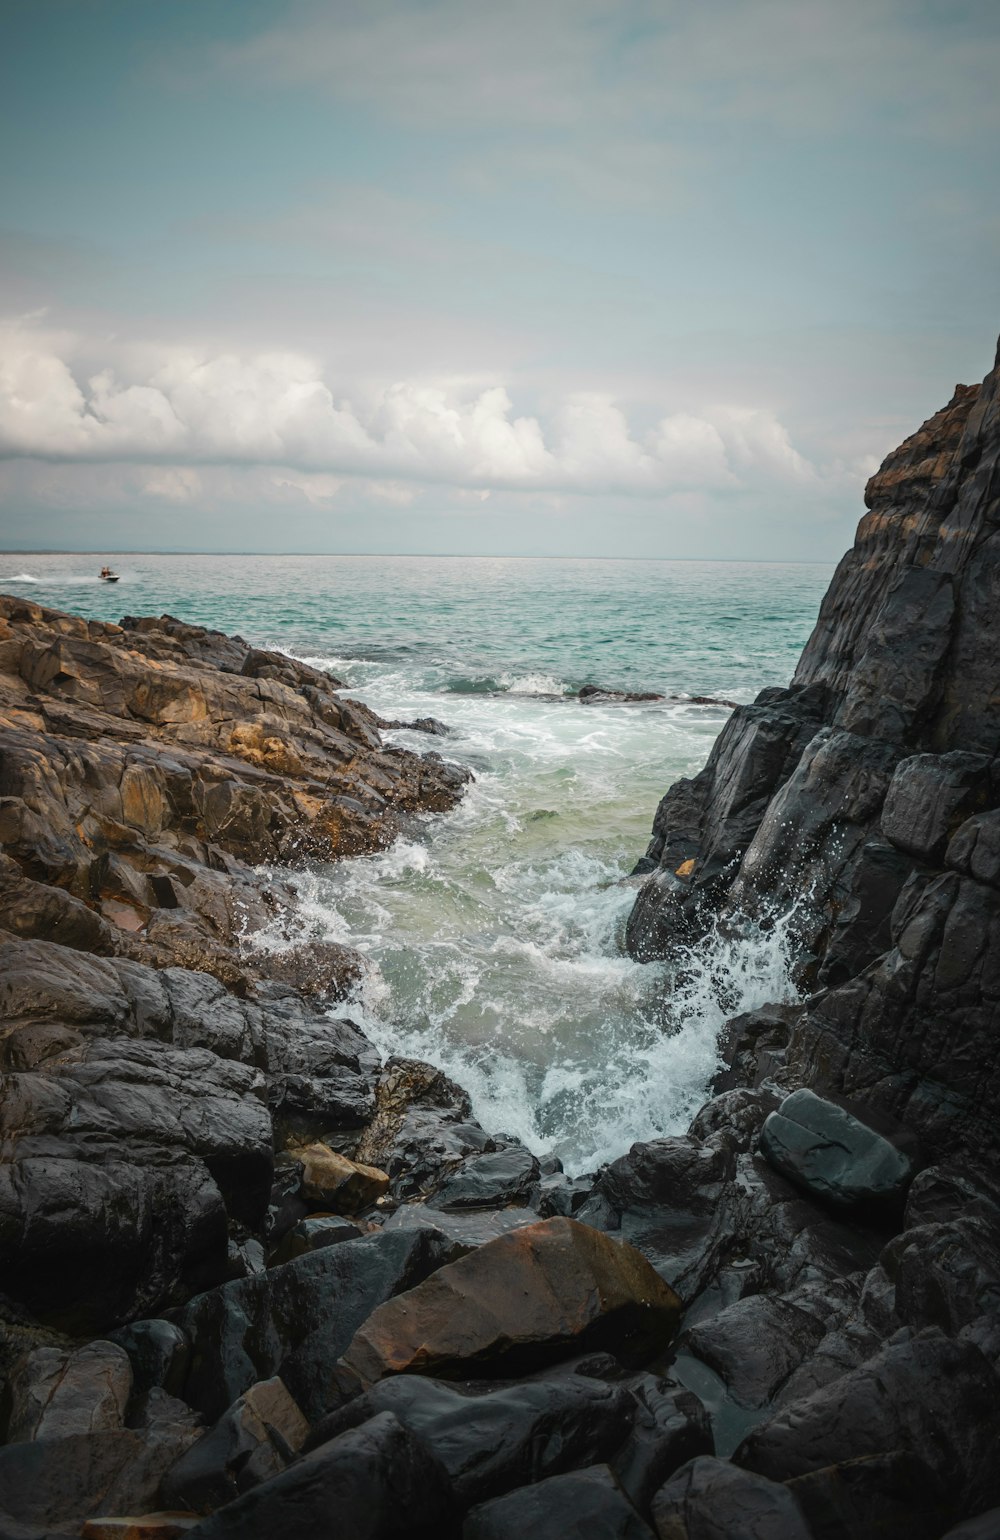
x=832 y=1154
x=587 y=1505
x=532 y=1296
x=376 y=1482
x=334 y=1182
x=491 y=1443
x=148 y=1526
x=710 y=1499
x=930 y=1396
x=296 y=1320
x=255 y=1439
x=54 y=1394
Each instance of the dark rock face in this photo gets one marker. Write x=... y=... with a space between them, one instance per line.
x=587 y=1505
x=377 y=1482
x=713 y=1500
x=866 y=794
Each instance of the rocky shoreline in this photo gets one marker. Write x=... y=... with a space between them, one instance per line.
x=256 y=1282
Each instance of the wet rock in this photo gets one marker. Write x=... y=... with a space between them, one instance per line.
x=464 y=1230
x=595 y=695
x=670 y=1427
x=495 y=1180
x=296 y=1320
x=883 y=1497
x=54 y=1394
x=930 y=1396
x=147 y=1526
x=586 y=1505
x=54 y=1484
x=334 y=1182
x=834 y=1155
x=490 y=1443
x=376 y=1482
x=158 y=1352
x=255 y=1439
x=422 y=1127
x=755 y=1344
x=665 y=1198
x=534 y=1295
x=710 y=1499
x=929 y=796
x=313 y=1234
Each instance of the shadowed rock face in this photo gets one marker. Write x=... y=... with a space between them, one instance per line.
x=146 y=768
x=866 y=795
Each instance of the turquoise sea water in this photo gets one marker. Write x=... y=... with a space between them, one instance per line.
x=492 y=934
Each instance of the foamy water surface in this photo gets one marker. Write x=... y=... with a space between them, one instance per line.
x=493 y=934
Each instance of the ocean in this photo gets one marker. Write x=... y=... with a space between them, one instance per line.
x=493 y=934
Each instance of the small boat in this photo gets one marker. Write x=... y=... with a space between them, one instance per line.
x=107 y=576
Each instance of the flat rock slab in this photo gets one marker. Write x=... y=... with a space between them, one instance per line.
x=526 y=1299
x=832 y=1154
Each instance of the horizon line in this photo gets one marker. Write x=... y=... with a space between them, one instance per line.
x=749 y=561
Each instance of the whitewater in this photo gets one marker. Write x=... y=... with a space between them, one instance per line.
x=492 y=936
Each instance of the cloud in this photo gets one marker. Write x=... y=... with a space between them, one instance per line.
x=798 y=66
x=190 y=408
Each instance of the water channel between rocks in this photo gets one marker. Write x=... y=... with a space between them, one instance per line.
x=493 y=933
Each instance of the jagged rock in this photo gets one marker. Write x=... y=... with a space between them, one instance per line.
x=845 y=794
x=54 y=1484
x=332 y=1181
x=141 y=1107
x=376 y=1482
x=495 y=1180
x=255 y=1439
x=296 y=1320
x=885 y=1496
x=491 y=1443
x=710 y=1499
x=929 y=796
x=833 y=1154
x=54 y=1394
x=463 y=1230
x=930 y=1396
x=586 y=1505
x=158 y=1352
x=422 y=1128
x=148 y=768
x=530 y=1297
x=312 y=1234
x=665 y=1198
x=670 y=1427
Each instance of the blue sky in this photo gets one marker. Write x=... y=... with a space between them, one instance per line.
x=633 y=278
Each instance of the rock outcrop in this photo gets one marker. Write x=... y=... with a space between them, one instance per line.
x=866 y=796
x=147 y=771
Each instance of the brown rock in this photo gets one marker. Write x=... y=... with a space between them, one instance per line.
x=531 y=1297
x=149 y=1526
x=337 y=1183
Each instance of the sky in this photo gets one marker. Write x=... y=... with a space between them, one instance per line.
x=642 y=278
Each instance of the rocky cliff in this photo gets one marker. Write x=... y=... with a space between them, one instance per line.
x=866 y=796
x=255 y=1282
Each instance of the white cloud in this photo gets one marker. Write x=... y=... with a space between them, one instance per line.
x=275 y=409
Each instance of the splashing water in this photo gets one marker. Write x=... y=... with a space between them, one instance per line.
x=493 y=935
